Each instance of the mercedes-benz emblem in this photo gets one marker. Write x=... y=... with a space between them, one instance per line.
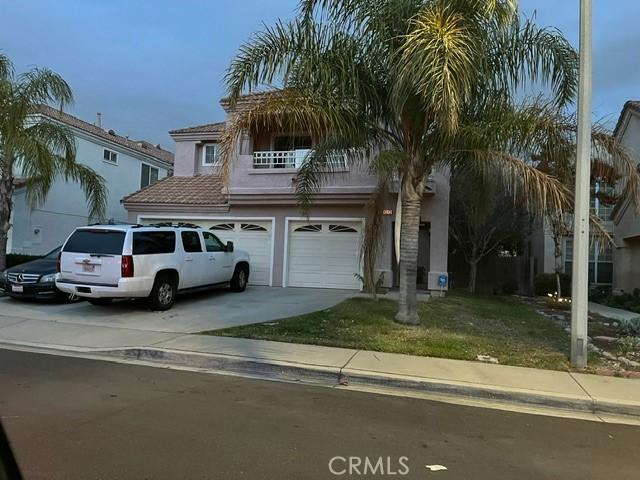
x=19 y=278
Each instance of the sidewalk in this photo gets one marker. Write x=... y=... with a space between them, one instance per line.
x=333 y=366
x=612 y=313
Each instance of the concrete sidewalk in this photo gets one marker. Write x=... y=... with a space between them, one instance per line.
x=332 y=366
x=612 y=313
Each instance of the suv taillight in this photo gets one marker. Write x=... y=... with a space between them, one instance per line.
x=58 y=262
x=126 y=266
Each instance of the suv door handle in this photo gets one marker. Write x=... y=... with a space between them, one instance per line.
x=212 y=258
x=188 y=259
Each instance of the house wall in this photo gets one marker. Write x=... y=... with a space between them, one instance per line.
x=626 y=265
x=435 y=210
x=626 y=255
x=39 y=230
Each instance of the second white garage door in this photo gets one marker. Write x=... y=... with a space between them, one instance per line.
x=324 y=254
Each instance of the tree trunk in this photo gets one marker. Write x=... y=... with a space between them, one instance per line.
x=6 y=204
x=558 y=265
x=473 y=275
x=410 y=218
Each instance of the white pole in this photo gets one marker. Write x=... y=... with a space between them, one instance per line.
x=580 y=274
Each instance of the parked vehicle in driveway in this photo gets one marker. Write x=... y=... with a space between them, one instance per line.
x=35 y=279
x=103 y=262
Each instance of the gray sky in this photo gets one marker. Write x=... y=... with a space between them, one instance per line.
x=151 y=66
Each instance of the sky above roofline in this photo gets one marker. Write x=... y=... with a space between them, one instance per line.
x=150 y=67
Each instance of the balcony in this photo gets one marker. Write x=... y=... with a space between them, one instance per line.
x=291 y=159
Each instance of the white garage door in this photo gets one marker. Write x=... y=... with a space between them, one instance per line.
x=251 y=236
x=324 y=254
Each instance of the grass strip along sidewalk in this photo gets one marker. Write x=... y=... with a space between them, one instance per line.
x=459 y=326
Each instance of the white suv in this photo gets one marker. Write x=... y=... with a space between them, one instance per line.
x=103 y=262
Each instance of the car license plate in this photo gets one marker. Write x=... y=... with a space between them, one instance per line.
x=88 y=268
x=17 y=288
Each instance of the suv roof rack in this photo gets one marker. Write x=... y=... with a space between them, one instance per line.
x=111 y=222
x=174 y=225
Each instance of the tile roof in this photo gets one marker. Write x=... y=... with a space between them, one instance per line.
x=198 y=190
x=206 y=128
x=140 y=146
x=629 y=105
x=247 y=101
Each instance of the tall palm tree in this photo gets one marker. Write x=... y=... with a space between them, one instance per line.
x=414 y=78
x=41 y=151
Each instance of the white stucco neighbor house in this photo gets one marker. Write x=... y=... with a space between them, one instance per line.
x=626 y=256
x=256 y=207
x=126 y=165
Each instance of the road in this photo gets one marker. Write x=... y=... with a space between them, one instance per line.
x=71 y=418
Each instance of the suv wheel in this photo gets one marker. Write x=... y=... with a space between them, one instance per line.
x=163 y=294
x=99 y=301
x=240 y=278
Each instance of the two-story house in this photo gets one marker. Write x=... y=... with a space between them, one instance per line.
x=626 y=256
x=255 y=206
x=126 y=165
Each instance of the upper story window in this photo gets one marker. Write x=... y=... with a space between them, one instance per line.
x=110 y=156
x=291 y=142
x=148 y=175
x=211 y=155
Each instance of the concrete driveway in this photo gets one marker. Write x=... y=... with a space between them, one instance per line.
x=192 y=313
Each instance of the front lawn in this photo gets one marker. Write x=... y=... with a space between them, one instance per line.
x=459 y=326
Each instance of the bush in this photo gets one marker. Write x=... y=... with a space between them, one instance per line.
x=14 y=259
x=545 y=283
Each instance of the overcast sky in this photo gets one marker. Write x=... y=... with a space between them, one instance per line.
x=154 y=65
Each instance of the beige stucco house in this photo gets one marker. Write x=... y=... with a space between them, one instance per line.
x=626 y=220
x=256 y=208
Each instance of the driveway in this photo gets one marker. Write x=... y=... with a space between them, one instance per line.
x=192 y=313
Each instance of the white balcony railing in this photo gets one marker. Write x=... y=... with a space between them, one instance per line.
x=291 y=159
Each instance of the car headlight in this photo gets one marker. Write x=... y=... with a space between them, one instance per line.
x=49 y=278
x=4 y=275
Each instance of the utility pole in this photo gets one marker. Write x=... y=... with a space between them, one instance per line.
x=580 y=274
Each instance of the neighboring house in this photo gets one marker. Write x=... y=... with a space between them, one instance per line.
x=626 y=220
x=600 y=259
x=256 y=208
x=126 y=165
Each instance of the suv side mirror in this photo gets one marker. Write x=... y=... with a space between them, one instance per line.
x=229 y=247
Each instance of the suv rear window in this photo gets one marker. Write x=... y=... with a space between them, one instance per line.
x=149 y=243
x=101 y=242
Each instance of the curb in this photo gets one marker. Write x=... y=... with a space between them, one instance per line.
x=333 y=376
x=292 y=372
x=471 y=391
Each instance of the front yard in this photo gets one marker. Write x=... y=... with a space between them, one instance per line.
x=458 y=326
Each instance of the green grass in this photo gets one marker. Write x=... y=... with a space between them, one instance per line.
x=459 y=326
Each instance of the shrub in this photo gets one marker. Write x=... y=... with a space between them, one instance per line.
x=630 y=327
x=545 y=283
x=14 y=259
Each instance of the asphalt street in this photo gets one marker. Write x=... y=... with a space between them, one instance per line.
x=71 y=418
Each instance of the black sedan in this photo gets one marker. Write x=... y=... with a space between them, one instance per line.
x=34 y=280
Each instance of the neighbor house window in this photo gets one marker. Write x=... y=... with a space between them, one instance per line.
x=211 y=155
x=149 y=175
x=110 y=156
x=600 y=262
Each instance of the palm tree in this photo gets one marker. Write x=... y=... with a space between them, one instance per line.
x=38 y=152
x=411 y=79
